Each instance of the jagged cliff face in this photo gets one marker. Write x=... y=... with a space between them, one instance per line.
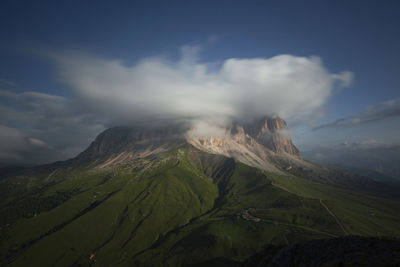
x=235 y=143
x=273 y=133
x=253 y=144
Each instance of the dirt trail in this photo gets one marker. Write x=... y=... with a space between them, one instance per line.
x=286 y=240
x=323 y=205
x=292 y=225
x=334 y=216
x=299 y=226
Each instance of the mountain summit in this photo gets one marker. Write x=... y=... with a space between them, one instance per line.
x=253 y=144
x=124 y=143
x=273 y=133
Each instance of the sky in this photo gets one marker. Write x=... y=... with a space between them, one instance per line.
x=70 y=69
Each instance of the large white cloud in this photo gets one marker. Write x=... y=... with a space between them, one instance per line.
x=37 y=127
x=284 y=85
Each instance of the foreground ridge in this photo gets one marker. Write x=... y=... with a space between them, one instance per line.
x=343 y=251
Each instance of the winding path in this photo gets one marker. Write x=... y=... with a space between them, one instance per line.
x=334 y=216
x=323 y=205
x=298 y=226
x=289 y=224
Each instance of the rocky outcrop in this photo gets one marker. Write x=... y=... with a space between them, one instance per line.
x=252 y=144
x=273 y=133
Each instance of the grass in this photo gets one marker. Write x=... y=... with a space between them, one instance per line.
x=361 y=214
x=183 y=208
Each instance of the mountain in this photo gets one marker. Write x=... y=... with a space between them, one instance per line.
x=167 y=194
x=273 y=133
x=124 y=143
x=254 y=144
x=372 y=156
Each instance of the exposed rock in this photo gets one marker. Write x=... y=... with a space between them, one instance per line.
x=123 y=143
x=254 y=144
x=273 y=133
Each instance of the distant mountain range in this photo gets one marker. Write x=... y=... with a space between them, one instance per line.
x=171 y=194
x=383 y=159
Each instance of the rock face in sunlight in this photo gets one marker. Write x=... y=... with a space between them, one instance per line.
x=273 y=133
x=255 y=144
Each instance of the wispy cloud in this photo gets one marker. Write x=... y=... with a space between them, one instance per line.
x=380 y=112
x=7 y=83
x=14 y=143
x=38 y=128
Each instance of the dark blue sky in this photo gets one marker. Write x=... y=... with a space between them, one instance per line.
x=358 y=36
x=361 y=36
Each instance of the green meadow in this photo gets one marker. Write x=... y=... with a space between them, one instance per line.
x=184 y=207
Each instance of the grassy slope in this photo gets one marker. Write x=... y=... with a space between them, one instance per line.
x=181 y=209
x=360 y=214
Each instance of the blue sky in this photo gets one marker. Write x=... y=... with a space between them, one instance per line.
x=361 y=37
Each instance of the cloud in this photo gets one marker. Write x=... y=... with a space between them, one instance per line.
x=7 y=83
x=14 y=144
x=41 y=128
x=109 y=92
x=212 y=127
x=285 y=85
x=381 y=112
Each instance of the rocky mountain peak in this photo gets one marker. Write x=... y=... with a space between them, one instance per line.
x=265 y=124
x=273 y=133
x=136 y=141
x=252 y=144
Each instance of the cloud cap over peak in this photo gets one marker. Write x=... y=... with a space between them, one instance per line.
x=109 y=92
x=284 y=85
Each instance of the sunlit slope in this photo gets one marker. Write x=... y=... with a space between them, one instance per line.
x=126 y=214
x=185 y=207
